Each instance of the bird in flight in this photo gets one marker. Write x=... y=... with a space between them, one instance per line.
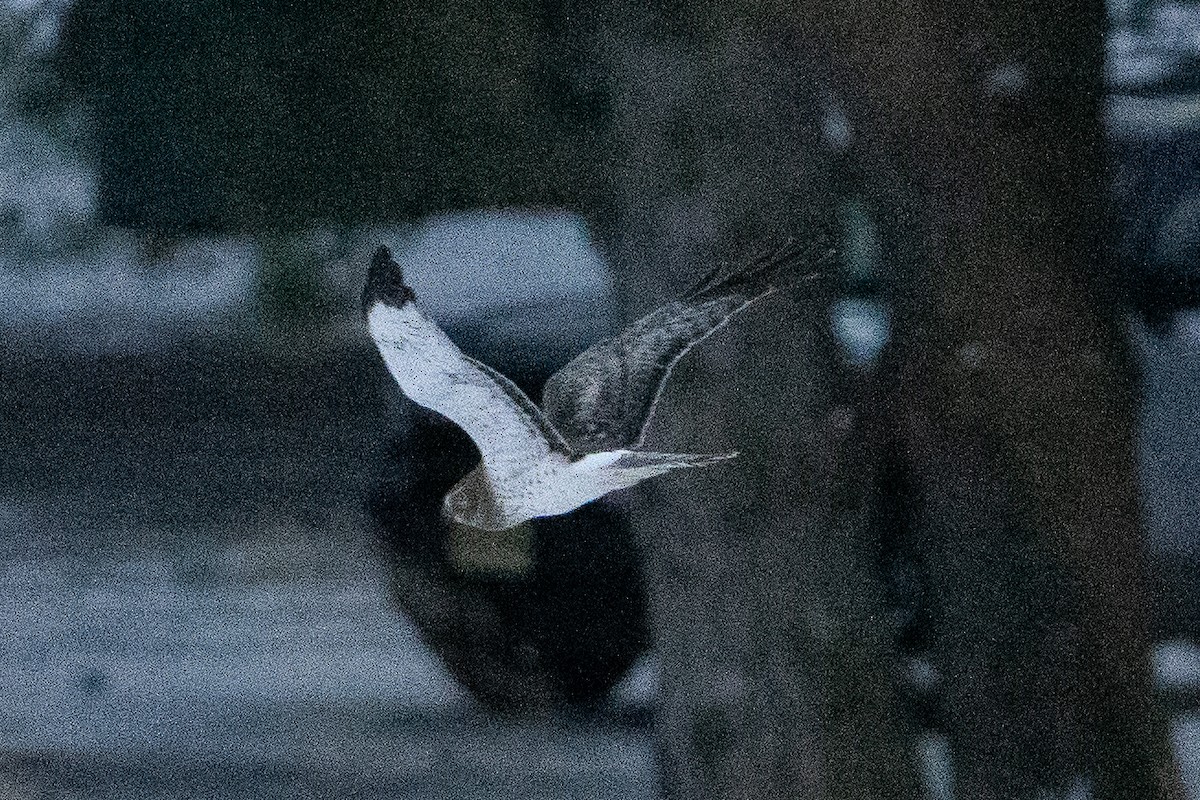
x=583 y=442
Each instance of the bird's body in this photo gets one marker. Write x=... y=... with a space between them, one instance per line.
x=584 y=444
x=558 y=485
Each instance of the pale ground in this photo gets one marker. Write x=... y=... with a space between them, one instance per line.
x=156 y=678
x=191 y=608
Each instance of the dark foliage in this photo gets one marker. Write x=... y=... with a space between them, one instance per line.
x=216 y=117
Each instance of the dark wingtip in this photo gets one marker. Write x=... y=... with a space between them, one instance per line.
x=815 y=252
x=771 y=268
x=385 y=282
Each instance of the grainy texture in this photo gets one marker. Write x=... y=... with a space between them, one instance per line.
x=1014 y=394
x=776 y=673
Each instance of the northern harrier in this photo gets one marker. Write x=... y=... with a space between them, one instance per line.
x=582 y=444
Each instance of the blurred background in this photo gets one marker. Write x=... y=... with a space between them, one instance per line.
x=225 y=571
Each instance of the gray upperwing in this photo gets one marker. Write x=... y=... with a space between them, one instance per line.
x=605 y=397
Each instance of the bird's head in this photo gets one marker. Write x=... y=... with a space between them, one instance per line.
x=472 y=502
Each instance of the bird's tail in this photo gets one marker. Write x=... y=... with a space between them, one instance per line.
x=639 y=464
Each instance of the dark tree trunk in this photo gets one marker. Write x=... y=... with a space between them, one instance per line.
x=777 y=672
x=1014 y=400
